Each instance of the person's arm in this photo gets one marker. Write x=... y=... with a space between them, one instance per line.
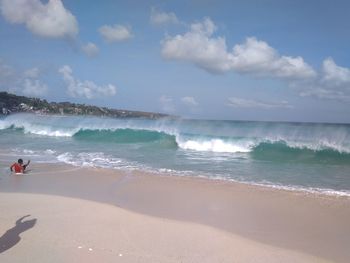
x=25 y=166
x=12 y=167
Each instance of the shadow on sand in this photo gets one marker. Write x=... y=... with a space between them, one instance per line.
x=11 y=236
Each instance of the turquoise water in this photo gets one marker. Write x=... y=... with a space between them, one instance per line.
x=301 y=156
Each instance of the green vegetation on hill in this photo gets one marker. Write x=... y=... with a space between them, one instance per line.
x=10 y=103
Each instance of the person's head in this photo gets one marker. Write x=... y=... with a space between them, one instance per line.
x=20 y=161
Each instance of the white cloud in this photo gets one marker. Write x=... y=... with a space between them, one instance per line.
x=87 y=89
x=115 y=33
x=27 y=82
x=326 y=93
x=167 y=104
x=246 y=103
x=334 y=74
x=46 y=20
x=162 y=18
x=33 y=87
x=333 y=83
x=198 y=46
x=7 y=74
x=257 y=57
x=32 y=73
x=189 y=101
x=90 y=49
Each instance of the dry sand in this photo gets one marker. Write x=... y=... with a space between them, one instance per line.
x=108 y=216
x=74 y=230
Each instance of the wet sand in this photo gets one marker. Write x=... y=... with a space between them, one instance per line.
x=153 y=218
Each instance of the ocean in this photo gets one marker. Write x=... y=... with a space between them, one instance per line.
x=306 y=157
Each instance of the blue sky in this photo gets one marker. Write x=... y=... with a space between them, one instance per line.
x=246 y=60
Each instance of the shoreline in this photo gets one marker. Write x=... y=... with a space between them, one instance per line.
x=321 y=192
x=269 y=185
x=313 y=224
x=313 y=192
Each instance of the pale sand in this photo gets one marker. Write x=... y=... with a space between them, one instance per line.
x=74 y=230
x=174 y=219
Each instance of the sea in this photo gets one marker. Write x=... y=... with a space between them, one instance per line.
x=308 y=157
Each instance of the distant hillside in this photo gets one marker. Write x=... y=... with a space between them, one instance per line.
x=10 y=103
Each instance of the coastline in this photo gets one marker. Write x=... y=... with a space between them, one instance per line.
x=312 y=225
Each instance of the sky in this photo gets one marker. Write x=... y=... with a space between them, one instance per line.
x=265 y=60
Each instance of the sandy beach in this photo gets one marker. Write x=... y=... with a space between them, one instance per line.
x=71 y=214
x=174 y=131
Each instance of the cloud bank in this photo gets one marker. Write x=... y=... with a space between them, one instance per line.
x=201 y=48
x=50 y=20
x=198 y=46
x=86 y=89
x=333 y=83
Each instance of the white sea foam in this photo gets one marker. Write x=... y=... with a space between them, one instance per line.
x=266 y=184
x=310 y=190
x=45 y=126
x=247 y=145
x=26 y=151
x=96 y=159
x=49 y=151
x=319 y=146
x=49 y=132
x=215 y=145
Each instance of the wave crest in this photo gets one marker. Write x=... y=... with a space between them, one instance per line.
x=201 y=136
x=215 y=145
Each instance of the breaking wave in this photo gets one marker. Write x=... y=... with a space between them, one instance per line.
x=262 y=140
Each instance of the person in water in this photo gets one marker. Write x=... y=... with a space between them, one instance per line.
x=19 y=167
